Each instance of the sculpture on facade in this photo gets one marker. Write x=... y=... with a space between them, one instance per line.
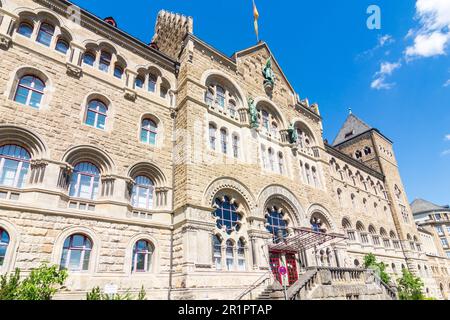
x=293 y=134
x=254 y=121
x=269 y=75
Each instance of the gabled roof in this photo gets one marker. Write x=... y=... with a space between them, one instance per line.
x=352 y=127
x=264 y=45
x=420 y=205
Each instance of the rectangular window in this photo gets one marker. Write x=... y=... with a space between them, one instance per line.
x=439 y=230
x=351 y=235
x=444 y=242
x=236 y=147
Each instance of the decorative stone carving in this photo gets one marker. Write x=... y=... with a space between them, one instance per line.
x=130 y=94
x=74 y=71
x=293 y=134
x=38 y=171
x=269 y=76
x=5 y=42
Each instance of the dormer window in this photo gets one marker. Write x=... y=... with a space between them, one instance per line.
x=349 y=134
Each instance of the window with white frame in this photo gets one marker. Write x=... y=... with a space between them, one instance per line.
x=149 y=132
x=236 y=146
x=105 y=61
x=30 y=91
x=76 y=253
x=217 y=252
x=25 y=29
x=143 y=192
x=224 y=140
x=212 y=136
x=241 y=255
x=142 y=256
x=14 y=165
x=220 y=97
x=96 y=114
x=281 y=163
x=85 y=181
x=229 y=250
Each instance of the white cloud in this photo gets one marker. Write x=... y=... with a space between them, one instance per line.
x=383 y=40
x=386 y=69
x=446 y=152
x=447 y=137
x=433 y=35
x=447 y=84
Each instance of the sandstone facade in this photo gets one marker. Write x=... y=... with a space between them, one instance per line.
x=205 y=154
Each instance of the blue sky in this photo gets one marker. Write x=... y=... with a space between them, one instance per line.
x=394 y=78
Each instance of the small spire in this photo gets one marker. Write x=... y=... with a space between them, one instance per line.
x=350 y=111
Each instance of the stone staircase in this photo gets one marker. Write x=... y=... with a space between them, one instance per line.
x=320 y=283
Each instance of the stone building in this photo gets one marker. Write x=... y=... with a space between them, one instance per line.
x=433 y=222
x=175 y=167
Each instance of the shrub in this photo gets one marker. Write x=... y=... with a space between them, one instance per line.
x=410 y=287
x=370 y=262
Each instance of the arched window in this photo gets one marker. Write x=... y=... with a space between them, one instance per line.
x=272 y=159
x=308 y=174
x=367 y=151
x=220 y=97
x=315 y=177
x=274 y=129
x=276 y=224
x=347 y=227
x=118 y=71
x=226 y=214
x=163 y=90
x=139 y=82
x=25 y=29
x=230 y=255
x=14 y=165
x=96 y=114
x=4 y=242
x=232 y=108
x=281 y=163
x=152 y=79
x=30 y=91
x=105 y=61
x=241 y=255
x=212 y=136
x=236 y=146
x=142 y=256
x=264 y=157
x=89 y=59
x=353 y=199
x=339 y=194
x=62 y=46
x=265 y=120
x=217 y=252
x=76 y=253
x=143 y=191
x=358 y=154
x=45 y=34
x=209 y=97
x=149 y=132
x=85 y=181
x=224 y=140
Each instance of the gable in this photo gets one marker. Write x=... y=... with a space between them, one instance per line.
x=261 y=52
x=352 y=127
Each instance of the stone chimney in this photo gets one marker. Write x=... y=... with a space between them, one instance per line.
x=170 y=30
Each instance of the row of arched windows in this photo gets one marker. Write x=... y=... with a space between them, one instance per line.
x=76 y=255
x=359 y=154
x=273 y=161
x=362 y=206
x=227 y=147
x=233 y=254
x=370 y=235
x=30 y=91
x=84 y=182
x=309 y=175
x=102 y=58
x=357 y=180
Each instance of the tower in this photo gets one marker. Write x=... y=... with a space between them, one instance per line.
x=369 y=146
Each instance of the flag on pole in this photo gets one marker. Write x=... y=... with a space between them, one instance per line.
x=256 y=16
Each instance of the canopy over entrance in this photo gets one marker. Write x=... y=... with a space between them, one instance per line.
x=305 y=239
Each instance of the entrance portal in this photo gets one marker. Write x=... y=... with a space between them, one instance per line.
x=278 y=259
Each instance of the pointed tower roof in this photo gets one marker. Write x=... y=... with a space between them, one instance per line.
x=420 y=205
x=352 y=127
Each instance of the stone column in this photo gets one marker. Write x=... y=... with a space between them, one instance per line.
x=129 y=89
x=74 y=60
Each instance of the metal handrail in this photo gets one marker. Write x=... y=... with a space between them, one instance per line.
x=261 y=280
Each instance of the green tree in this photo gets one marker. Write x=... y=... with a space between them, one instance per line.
x=9 y=286
x=410 y=287
x=370 y=262
x=41 y=284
